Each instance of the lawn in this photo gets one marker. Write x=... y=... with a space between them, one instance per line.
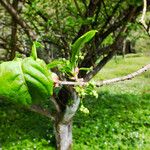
x=118 y=119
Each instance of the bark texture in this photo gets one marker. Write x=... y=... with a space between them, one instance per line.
x=63 y=120
x=63 y=135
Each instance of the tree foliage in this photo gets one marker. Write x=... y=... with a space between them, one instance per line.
x=64 y=28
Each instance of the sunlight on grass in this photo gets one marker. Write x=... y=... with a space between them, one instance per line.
x=118 y=119
x=122 y=66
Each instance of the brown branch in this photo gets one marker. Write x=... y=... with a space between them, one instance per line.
x=90 y=11
x=41 y=111
x=78 y=8
x=90 y=57
x=109 y=18
x=95 y=22
x=113 y=48
x=19 y=20
x=101 y=64
x=130 y=12
x=39 y=12
x=56 y=104
x=13 y=33
x=114 y=80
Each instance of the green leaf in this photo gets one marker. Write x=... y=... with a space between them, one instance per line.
x=70 y=21
x=25 y=81
x=63 y=65
x=84 y=109
x=85 y=69
x=108 y=40
x=33 y=51
x=13 y=85
x=38 y=79
x=55 y=63
x=78 y=44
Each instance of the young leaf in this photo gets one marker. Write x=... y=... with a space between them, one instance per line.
x=85 y=69
x=55 y=63
x=78 y=44
x=33 y=51
x=84 y=109
x=63 y=65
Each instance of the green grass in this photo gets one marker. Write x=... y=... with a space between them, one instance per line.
x=118 y=119
x=122 y=66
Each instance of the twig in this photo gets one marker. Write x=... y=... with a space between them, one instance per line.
x=127 y=77
x=55 y=104
x=14 y=31
x=30 y=32
x=114 y=80
x=41 y=111
x=142 y=20
x=78 y=8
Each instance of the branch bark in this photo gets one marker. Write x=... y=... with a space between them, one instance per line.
x=93 y=4
x=63 y=122
x=127 y=77
x=90 y=57
x=142 y=20
x=13 y=32
x=78 y=8
x=114 y=80
x=41 y=111
x=18 y=19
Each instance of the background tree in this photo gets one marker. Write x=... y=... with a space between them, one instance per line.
x=57 y=25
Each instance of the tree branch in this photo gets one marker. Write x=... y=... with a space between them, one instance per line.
x=100 y=65
x=56 y=104
x=142 y=20
x=90 y=57
x=18 y=19
x=93 y=4
x=127 y=77
x=13 y=33
x=41 y=111
x=114 y=80
x=78 y=8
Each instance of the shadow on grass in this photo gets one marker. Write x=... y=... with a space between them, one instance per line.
x=112 y=118
x=116 y=103
x=116 y=121
x=20 y=128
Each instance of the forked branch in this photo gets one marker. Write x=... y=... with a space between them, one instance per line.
x=72 y=109
x=114 y=80
x=41 y=111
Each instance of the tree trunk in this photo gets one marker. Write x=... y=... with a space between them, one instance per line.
x=124 y=47
x=63 y=135
x=63 y=120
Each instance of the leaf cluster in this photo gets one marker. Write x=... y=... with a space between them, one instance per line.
x=26 y=81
